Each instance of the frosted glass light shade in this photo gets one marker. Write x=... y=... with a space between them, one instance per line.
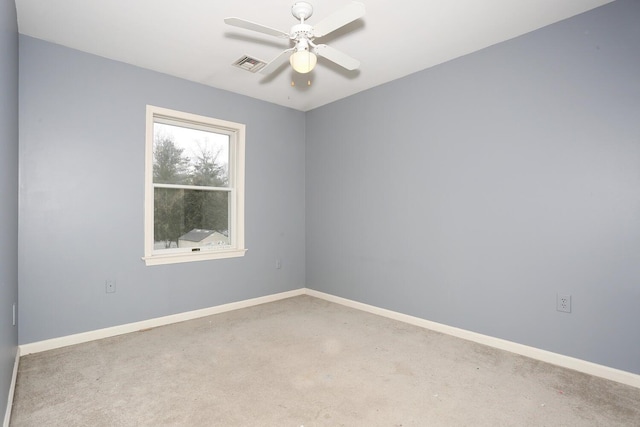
x=303 y=61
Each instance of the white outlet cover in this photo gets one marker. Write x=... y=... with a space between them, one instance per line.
x=563 y=303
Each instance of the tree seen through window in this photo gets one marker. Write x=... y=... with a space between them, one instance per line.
x=191 y=187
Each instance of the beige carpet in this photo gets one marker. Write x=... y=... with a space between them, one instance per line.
x=306 y=362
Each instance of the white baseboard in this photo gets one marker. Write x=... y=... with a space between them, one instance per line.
x=39 y=346
x=12 y=389
x=579 y=365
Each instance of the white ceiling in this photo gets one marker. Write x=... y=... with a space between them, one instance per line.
x=188 y=38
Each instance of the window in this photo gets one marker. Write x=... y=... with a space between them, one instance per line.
x=194 y=188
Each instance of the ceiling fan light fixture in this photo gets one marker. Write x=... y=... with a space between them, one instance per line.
x=303 y=61
x=304 y=55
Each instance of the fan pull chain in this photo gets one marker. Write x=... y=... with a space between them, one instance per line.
x=294 y=83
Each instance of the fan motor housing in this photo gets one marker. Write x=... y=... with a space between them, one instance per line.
x=301 y=31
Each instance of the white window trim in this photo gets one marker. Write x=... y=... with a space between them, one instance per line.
x=237 y=249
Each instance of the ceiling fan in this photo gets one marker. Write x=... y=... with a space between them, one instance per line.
x=303 y=55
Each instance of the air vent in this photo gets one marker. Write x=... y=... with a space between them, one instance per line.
x=250 y=64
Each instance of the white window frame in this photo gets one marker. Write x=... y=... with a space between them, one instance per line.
x=236 y=131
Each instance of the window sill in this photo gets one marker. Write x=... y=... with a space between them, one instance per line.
x=160 y=259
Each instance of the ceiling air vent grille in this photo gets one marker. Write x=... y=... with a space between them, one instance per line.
x=250 y=64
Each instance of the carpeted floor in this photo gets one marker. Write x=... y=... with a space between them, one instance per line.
x=306 y=362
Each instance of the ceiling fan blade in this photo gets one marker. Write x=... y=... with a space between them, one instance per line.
x=340 y=18
x=248 y=25
x=334 y=55
x=277 y=62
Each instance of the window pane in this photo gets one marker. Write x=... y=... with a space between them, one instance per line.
x=190 y=156
x=190 y=218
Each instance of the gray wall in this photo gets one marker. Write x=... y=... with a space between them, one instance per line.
x=472 y=192
x=82 y=129
x=8 y=194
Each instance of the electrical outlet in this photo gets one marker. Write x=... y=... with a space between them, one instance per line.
x=278 y=263
x=110 y=286
x=563 y=303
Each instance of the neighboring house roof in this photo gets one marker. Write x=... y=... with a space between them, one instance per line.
x=196 y=235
